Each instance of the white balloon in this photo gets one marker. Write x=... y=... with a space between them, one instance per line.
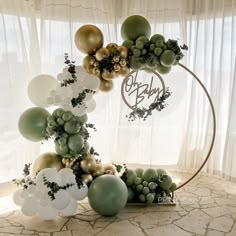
x=50 y=100
x=30 y=206
x=81 y=73
x=31 y=189
x=25 y=193
x=39 y=89
x=64 y=92
x=70 y=209
x=60 y=77
x=47 y=212
x=91 y=82
x=78 y=193
x=91 y=105
x=65 y=107
x=17 y=197
x=67 y=176
x=37 y=194
x=88 y=97
x=66 y=101
x=44 y=198
x=78 y=111
x=61 y=200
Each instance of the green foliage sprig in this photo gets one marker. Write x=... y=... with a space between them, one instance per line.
x=144 y=113
x=54 y=187
x=71 y=70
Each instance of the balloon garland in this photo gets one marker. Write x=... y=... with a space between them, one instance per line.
x=60 y=179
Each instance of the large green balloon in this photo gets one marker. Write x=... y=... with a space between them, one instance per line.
x=135 y=26
x=107 y=195
x=32 y=123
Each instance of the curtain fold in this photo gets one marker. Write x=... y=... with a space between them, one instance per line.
x=35 y=34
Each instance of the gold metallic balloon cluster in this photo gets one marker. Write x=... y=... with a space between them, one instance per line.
x=92 y=169
x=107 y=62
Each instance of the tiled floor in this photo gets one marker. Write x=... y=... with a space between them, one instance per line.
x=206 y=206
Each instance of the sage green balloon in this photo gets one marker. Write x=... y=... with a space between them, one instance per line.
x=32 y=123
x=107 y=195
x=149 y=175
x=131 y=195
x=139 y=172
x=76 y=143
x=134 y=27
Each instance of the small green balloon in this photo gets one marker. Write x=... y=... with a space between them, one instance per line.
x=173 y=187
x=161 y=172
x=107 y=195
x=167 y=58
x=131 y=175
x=76 y=143
x=83 y=119
x=72 y=126
x=128 y=43
x=163 y=69
x=67 y=116
x=157 y=37
x=166 y=182
x=131 y=195
x=149 y=175
x=139 y=172
x=134 y=27
x=33 y=123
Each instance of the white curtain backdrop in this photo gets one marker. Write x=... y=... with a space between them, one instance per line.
x=35 y=34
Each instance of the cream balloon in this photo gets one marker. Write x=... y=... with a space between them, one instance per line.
x=39 y=89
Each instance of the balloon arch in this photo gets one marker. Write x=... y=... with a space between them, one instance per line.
x=61 y=178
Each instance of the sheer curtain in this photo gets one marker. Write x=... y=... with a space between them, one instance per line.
x=35 y=35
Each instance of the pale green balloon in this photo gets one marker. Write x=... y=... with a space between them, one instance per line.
x=32 y=123
x=107 y=195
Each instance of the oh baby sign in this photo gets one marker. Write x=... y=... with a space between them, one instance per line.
x=140 y=89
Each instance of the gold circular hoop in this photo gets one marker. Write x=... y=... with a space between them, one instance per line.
x=214 y=125
x=212 y=111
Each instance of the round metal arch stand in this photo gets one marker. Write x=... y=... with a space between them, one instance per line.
x=214 y=125
x=212 y=111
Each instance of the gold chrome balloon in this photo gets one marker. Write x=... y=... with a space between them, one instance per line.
x=88 y=164
x=99 y=170
x=88 y=39
x=107 y=75
x=115 y=59
x=106 y=85
x=124 y=71
x=112 y=47
x=102 y=53
x=88 y=61
x=47 y=160
x=116 y=67
x=87 y=178
x=123 y=62
x=123 y=51
x=96 y=71
x=110 y=169
x=96 y=64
